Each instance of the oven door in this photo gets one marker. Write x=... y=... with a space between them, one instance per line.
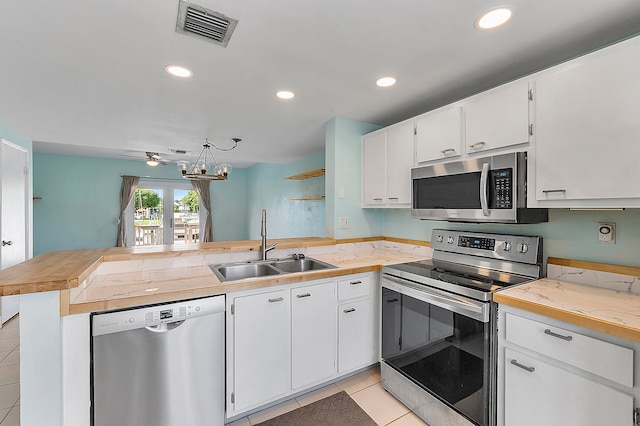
x=443 y=344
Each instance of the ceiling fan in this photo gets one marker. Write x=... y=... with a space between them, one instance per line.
x=153 y=159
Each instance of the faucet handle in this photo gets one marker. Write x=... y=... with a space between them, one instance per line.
x=298 y=256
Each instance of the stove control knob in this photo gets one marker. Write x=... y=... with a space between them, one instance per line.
x=506 y=246
x=522 y=248
x=450 y=240
x=439 y=238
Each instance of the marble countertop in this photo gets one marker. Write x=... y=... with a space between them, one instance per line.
x=114 y=291
x=609 y=311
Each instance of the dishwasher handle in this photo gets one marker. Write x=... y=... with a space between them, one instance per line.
x=164 y=327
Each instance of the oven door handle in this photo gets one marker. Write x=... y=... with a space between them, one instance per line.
x=484 y=175
x=460 y=305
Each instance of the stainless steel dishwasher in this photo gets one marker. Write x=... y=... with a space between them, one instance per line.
x=159 y=365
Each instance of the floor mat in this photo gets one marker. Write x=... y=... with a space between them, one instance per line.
x=451 y=373
x=336 y=410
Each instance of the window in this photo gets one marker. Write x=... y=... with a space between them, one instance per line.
x=164 y=213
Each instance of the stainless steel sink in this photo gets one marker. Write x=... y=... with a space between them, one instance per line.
x=261 y=268
x=240 y=271
x=301 y=265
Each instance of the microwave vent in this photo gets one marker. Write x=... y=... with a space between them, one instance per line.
x=204 y=23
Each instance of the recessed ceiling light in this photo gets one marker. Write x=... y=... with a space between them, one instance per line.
x=178 y=71
x=494 y=18
x=385 y=81
x=285 y=94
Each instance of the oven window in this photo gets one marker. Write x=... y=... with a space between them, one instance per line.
x=461 y=191
x=444 y=352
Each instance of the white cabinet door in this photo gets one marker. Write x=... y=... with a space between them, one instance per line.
x=355 y=335
x=313 y=334
x=439 y=134
x=587 y=128
x=537 y=393
x=261 y=348
x=497 y=118
x=399 y=163
x=374 y=173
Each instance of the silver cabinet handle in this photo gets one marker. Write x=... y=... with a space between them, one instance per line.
x=300 y=296
x=277 y=299
x=479 y=144
x=392 y=300
x=524 y=367
x=445 y=151
x=530 y=129
x=355 y=282
x=377 y=199
x=549 y=191
x=559 y=336
x=346 y=311
x=6 y=243
x=393 y=198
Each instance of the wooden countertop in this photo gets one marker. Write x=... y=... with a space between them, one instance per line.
x=64 y=270
x=609 y=311
x=115 y=291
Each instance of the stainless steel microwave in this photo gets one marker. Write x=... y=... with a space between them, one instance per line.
x=488 y=189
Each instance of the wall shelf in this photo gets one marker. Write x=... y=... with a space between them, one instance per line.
x=307 y=175
x=316 y=197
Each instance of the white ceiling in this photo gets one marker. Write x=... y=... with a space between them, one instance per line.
x=87 y=78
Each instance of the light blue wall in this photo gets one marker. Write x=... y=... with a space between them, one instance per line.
x=344 y=170
x=267 y=189
x=80 y=201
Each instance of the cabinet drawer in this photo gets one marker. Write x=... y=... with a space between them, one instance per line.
x=572 y=348
x=353 y=288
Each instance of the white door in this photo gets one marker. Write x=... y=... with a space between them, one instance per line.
x=13 y=217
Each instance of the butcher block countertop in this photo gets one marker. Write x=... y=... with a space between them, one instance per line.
x=609 y=311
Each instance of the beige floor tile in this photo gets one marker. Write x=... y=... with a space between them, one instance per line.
x=9 y=395
x=317 y=395
x=9 y=344
x=240 y=422
x=375 y=371
x=408 y=420
x=3 y=414
x=275 y=411
x=358 y=382
x=9 y=374
x=12 y=359
x=7 y=333
x=12 y=323
x=13 y=418
x=4 y=354
x=379 y=404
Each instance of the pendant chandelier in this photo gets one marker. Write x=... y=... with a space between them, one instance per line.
x=206 y=167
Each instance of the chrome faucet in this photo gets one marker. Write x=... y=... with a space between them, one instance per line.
x=263 y=232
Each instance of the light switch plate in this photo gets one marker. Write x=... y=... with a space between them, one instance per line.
x=607 y=233
x=344 y=222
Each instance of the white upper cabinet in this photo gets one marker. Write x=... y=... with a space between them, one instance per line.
x=387 y=158
x=439 y=134
x=587 y=127
x=498 y=118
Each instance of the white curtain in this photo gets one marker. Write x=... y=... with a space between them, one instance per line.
x=128 y=188
x=202 y=188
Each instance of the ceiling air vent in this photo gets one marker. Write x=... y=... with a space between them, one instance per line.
x=205 y=23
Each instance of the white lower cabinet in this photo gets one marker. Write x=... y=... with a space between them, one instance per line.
x=261 y=348
x=286 y=339
x=555 y=373
x=313 y=334
x=540 y=393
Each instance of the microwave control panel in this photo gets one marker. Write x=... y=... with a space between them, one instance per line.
x=501 y=189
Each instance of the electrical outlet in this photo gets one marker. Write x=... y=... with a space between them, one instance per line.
x=341 y=192
x=344 y=222
x=607 y=233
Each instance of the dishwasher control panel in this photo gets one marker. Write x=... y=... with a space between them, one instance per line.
x=150 y=316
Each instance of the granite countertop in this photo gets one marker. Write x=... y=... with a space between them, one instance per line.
x=609 y=311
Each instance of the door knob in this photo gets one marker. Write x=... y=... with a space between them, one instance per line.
x=6 y=243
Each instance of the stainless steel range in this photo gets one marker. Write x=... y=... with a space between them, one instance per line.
x=439 y=323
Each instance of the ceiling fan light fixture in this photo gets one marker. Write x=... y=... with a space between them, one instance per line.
x=151 y=162
x=178 y=71
x=494 y=18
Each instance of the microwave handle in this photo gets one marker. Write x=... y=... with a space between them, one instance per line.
x=483 y=189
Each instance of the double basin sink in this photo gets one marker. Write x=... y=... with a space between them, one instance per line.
x=265 y=268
